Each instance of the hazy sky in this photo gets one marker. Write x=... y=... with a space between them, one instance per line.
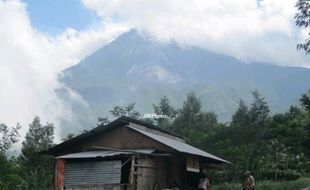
x=38 y=39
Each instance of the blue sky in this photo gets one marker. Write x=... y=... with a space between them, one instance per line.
x=54 y=16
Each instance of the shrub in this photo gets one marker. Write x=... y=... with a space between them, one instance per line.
x=282 y=175
x=269 y=185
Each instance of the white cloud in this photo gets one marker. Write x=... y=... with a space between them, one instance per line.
x=31 y=61
x=250 y=30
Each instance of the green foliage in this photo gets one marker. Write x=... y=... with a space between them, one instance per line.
x=37 y=168
x=68 y=137
x=259 y=111
x=254 y=140
x=268 y=185
x=9 y=170
x=276 y=161
x=8 y=136
x=241 y=116
x=282 y=175
x=273 y=147
x=305 y=101
x=243 y=138
x=193 y=123
x=128 y=110
x=227 y=186
x=103 y=121
x=165 y=109
x=119 y=111
x=9 y=178
x=289 y=185
x=302 y=20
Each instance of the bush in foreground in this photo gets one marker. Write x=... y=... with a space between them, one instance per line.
x=268 y=185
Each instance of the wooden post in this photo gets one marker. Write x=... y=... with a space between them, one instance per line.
x=132 y=176
x=59 y=174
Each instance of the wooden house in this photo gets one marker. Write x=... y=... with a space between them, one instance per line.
x=128 y=154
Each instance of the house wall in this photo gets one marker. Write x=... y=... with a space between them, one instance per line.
x=126 y=138
x=166 y=170
x=163 y=168
x=123 y=138
x=134 y=139
x=162 y=171
x=101 y=187
x=176 y=169
x=111 y=139
x=59 y=173
x=145 y=173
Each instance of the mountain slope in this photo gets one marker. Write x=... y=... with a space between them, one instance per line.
x=137 y=68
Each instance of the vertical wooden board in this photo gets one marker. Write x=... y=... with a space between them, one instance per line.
x=162 y=170
x=175 y=169
x=132 y=178
x=145 y=174
x=60 y=173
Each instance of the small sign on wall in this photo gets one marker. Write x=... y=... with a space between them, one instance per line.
x=192 y=164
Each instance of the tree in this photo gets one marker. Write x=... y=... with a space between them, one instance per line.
x=241 y=116
x=103 y=121
x=128 y=110
x=8 y=167
x=37 y=168
x=9 y=173
x=164 y=109
x=305 y=101
x=187 y=115
x=68 y=137
x=277 y=158
x=245 y=141
x=193 y=123
x=8 y=136
x=259 y=109
x=302 y=20
x=119 y=111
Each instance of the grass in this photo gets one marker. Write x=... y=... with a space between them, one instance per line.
x=269 y=185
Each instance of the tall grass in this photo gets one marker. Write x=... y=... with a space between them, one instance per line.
x=269 y=185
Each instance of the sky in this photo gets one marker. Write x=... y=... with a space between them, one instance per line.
x=39 y=39
x=54 y=16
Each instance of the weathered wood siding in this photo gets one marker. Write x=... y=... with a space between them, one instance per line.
x=122 y=138
x=162 y=171
x=59 y=173
x=145 y=174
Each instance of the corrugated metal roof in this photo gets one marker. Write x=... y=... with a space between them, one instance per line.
x=104 y=153
x=179 y=146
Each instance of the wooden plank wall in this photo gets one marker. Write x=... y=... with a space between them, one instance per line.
x=145 y=174
x=59 y=173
